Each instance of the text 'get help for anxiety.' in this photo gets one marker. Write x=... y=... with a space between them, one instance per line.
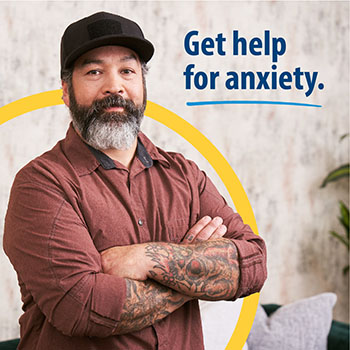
x=275 y=47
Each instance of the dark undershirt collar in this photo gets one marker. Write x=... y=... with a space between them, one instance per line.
x=108 y=163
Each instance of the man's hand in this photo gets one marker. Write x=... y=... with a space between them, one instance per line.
x=126 y=261
x=130 y=261
x=205 y=229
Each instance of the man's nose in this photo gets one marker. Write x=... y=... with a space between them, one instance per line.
x=113 y=85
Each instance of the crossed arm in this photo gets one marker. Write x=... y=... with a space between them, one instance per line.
x=65 y=281
x=161 y=277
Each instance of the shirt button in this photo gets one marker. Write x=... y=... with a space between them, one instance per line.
x=140 y=222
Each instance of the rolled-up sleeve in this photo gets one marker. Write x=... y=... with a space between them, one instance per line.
x=55 y=258
x=251 y=247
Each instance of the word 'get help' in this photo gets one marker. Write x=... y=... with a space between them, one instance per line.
x=240 y=46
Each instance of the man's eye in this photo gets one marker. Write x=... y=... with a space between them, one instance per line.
x=94 y=72
x=127 y=71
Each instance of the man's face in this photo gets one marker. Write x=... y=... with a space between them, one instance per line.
x=107 y=97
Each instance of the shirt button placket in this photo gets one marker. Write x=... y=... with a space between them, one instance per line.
x=138 y=208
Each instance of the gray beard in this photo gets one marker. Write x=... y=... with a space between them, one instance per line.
x=103 y=136
x=107 y=130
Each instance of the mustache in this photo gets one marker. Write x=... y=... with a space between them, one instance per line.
x=112 y=100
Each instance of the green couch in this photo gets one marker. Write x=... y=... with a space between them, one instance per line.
x=9 y=344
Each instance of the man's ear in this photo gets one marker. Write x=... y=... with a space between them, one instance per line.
x=65 y=95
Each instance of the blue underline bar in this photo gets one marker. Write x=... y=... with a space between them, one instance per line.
x=250 y=102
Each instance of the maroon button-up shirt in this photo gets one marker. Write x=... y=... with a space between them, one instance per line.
x=73 y=202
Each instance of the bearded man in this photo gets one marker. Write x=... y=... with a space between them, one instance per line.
x=113 y=239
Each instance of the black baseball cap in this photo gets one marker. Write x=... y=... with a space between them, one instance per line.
x=101 y=29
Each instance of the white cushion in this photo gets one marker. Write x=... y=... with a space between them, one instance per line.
x=304 y=324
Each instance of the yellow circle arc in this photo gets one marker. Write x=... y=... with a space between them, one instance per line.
x=205 y=147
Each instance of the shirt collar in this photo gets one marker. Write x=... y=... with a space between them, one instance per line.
x=154 y=152
x=87 y=159
x=108 y=163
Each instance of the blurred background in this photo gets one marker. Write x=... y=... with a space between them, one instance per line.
x=281 y=154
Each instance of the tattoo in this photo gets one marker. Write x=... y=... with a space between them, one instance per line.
x=146 y=303
x=190 y=238
x=206 y=270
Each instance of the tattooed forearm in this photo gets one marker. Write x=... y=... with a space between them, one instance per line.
x=146 y=303
x=206 y=270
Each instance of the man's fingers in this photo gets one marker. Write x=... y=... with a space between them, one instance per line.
x=196 y=229
x=206 y=228
x=209 y=229
x=219 y=232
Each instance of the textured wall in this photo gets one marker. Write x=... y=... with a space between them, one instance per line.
x=280 y=153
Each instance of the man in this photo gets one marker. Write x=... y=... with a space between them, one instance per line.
x=113 y=239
